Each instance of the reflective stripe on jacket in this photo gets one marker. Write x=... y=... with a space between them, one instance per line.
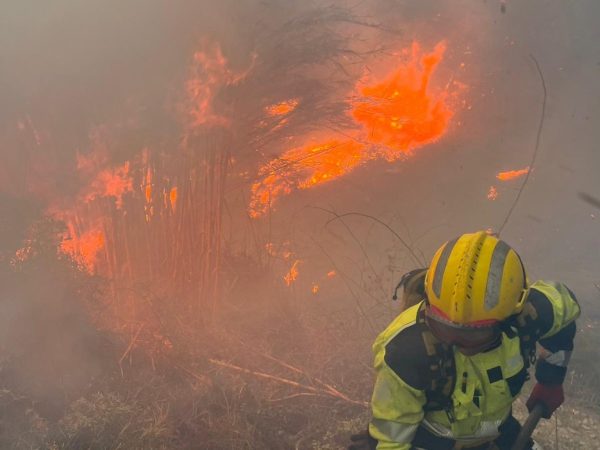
x=549 y=318
x=486 y=384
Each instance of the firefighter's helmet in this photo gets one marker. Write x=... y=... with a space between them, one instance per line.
x=475 y=280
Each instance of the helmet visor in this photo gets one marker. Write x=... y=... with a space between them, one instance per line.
x=467 y=337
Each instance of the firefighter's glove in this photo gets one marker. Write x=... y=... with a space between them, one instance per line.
x=362 y=441
x=551 y=396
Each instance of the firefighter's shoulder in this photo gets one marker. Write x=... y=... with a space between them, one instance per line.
x=406 y=352
x=550 y=306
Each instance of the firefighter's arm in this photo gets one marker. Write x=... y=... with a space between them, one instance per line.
x=553 y=324
x=397 y=411
x=556 y=308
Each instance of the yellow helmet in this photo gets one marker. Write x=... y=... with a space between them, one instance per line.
x=475 y=279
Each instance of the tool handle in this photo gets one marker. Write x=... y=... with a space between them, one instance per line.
x=534 y=417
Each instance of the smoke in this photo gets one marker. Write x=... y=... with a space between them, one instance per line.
x=89 y=88
x=49 y=348
x=102 y=90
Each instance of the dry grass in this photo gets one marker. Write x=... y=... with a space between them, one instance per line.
x=263 y=377
x=272 y=371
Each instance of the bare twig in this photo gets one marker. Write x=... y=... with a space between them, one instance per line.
x=278 y=361
x=404 y=243
x=357 y=241
x=130 y=347
x=330 y=392
x=190 y=373
x=357 y=301
x=535 y=151
x=301 y=394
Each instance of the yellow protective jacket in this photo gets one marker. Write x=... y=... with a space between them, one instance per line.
x=424 y=385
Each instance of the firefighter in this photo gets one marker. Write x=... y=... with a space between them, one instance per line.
x=450 y=367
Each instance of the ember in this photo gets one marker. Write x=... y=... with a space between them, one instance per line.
x=22 y=254
x=512 y=174
x=291 y=276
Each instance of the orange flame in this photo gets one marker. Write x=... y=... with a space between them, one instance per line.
x=282 y=108
x=85 y=235
x=209 y=73
x=173 y=197
x=148 y=187
x=399 y=112
x=111 y=183
x=281 y=252
x=331 y=274
x=315 y=288
x=512 y=174
x=302 y=168
x=396 y=115
x=291 y=276
x=83 y=249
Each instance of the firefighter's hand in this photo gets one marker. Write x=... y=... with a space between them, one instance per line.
x=551 y=396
